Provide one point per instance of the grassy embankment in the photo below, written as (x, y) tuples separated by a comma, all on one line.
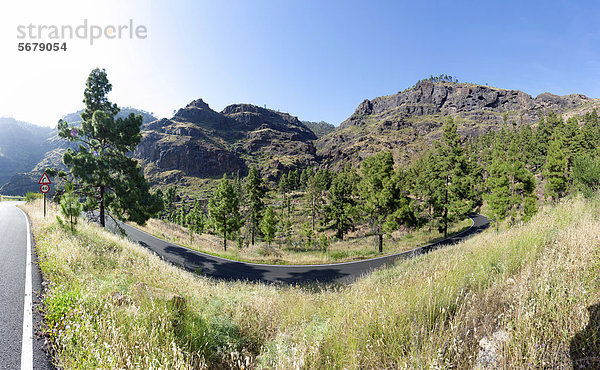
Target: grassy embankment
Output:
[(112, 304)]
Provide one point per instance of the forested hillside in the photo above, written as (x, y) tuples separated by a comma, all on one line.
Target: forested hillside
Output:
[(506, 174)]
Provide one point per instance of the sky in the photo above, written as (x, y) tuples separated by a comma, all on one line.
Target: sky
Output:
[(316, 60)]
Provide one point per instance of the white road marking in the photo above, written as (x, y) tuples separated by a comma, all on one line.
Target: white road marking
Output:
[(27, 342)]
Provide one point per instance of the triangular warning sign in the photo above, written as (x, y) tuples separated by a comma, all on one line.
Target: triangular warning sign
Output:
[(45, 179)]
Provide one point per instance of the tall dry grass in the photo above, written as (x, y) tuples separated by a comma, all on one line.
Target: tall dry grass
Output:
[(112, 304)]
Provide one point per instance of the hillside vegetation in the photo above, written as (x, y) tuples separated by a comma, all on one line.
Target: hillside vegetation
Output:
[(525, 297)]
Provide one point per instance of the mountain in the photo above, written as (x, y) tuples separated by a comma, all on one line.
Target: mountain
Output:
[(75, 117), (319, 128), (198, 142), (22, 146), (34, 148), (406, 123)]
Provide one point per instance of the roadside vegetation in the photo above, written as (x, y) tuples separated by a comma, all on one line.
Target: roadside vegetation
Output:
[(528, 292)]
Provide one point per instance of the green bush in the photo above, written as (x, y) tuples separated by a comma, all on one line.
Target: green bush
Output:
[(586, 175), (31, 196)]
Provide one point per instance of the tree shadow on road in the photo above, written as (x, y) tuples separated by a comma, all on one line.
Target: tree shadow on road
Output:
[(585, 345)]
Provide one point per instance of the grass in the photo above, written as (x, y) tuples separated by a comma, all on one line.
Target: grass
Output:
[(357, 247), (110, 303)]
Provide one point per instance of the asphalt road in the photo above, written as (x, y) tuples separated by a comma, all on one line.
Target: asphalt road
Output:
[(222, 268), (13, 267)]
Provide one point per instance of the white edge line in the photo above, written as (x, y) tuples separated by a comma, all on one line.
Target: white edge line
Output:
[(27, 342), (315, 265)]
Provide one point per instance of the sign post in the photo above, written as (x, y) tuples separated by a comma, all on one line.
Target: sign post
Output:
[(44, 188)]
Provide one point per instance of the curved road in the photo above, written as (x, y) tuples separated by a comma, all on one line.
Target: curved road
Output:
[(223, 268)]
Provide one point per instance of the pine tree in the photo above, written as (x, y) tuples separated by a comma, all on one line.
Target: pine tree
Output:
[(522, 185), (181, 217), (107, 177), (543, 133), (170, 209), (268, 225), (70, 207), (554, 170), (572, 142), (382, 194), (426, 182), (474, 172), (452, 183), (224, 209), (255, 190), (341, 207), (305, 177), (498, 196), (591, 130), (285, 187), (586, 173), (527, 145)]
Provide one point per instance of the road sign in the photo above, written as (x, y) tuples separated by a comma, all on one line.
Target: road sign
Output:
[(44, 180), (44, 188)]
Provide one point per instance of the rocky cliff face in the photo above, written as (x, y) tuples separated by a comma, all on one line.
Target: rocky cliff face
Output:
[(407, 122), (464, 100), (199, 142)]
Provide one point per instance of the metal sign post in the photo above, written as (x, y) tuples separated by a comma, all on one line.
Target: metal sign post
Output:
[(44, 188)]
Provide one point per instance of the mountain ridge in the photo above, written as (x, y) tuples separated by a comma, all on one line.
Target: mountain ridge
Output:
[(198, 143), (408, 121)]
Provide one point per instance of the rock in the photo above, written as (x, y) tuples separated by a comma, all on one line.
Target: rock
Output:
[(451, 98), (142, 290), (119, 298), (490, 352), (200, 142)]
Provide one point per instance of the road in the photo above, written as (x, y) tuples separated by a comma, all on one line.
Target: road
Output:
[(18, 281), (222, 268)]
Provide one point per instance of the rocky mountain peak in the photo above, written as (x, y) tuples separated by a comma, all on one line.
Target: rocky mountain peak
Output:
[(199, 142), (198, 112), (407, 122), (451, 98), (198, 103)]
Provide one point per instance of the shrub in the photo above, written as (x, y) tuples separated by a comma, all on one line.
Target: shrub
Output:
[(31, 196)]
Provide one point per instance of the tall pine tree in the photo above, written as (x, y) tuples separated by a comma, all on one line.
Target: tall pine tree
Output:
[(268, 225), (106, 176), (382, 195), (224, 209), (555, 170), (341, 207), (498, 195), (452, 182)]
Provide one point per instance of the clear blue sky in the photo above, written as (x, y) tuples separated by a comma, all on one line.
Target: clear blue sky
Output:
[(314, 59)]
